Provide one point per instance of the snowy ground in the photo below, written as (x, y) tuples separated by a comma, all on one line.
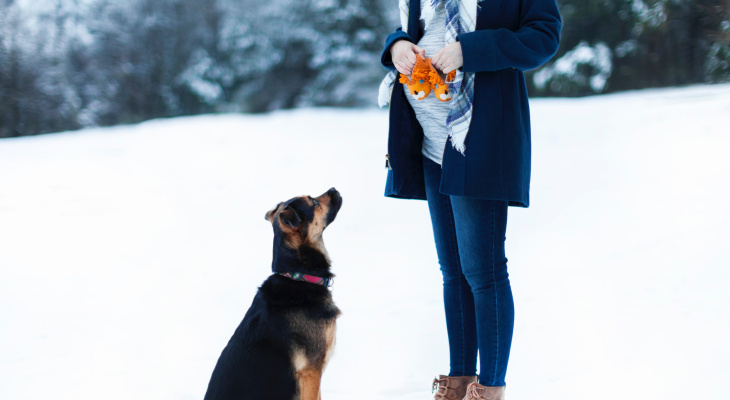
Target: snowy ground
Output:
[(129, 255)]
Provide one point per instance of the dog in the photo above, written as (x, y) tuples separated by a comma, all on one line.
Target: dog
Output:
[(281, 348)]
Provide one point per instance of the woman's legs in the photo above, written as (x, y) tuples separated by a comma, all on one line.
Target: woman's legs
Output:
[(470, 235), (480, 232), (458, 299)]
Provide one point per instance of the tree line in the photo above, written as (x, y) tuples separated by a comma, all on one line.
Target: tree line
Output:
[(69, 64), (613, 45)]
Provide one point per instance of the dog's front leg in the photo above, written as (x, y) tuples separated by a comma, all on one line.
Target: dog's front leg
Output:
[(309, 384)]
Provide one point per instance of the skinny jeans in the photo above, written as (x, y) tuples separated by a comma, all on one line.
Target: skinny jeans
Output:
[(470, 236)]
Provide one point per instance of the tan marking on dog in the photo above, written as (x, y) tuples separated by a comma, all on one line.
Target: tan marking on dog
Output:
[(299, 360), (317, 226), (309, 381), (293, 239)]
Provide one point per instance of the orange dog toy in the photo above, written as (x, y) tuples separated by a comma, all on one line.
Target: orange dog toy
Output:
[(425, 78)]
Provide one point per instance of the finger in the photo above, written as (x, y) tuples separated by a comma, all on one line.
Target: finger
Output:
[(411, 57), (409, 63), (435, 59), (406, 68), (420, 51), (448, 62), (403, 68), (407, 59)]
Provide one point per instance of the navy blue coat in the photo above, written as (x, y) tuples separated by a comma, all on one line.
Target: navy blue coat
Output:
[(511, 36)]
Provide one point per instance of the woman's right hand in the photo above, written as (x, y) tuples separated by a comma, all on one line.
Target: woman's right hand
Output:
[(403, 54)]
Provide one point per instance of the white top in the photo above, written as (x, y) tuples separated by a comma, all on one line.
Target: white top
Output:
[(430, 112)]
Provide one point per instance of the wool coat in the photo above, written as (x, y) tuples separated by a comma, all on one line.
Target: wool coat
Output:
[(511, 36)]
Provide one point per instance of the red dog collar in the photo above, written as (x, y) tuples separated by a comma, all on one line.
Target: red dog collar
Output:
[(297, 276)]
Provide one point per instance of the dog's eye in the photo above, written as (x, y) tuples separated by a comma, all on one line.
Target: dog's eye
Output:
[(316, 203)]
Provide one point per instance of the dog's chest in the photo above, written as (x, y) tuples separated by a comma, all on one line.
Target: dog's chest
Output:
[(313, 340)]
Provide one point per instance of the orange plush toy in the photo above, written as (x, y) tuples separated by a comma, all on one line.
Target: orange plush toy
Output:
[(440, 88), (425, 78), (419, 85)]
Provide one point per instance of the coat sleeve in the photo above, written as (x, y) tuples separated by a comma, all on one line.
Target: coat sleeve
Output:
[(530, 46), (385, 58)]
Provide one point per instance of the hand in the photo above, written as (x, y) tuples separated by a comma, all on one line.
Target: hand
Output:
[(449, 58), (403, 54)]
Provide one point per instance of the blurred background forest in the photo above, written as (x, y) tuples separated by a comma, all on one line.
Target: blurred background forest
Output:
[(70, 64)]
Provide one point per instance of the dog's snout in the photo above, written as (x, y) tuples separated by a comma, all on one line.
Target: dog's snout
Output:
[(334, 194), (334, 204)]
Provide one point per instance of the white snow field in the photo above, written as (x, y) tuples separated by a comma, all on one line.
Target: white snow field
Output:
[(129, 255)]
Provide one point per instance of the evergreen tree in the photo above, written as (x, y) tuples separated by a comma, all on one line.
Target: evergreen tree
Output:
[(67, 64), (633, 44)]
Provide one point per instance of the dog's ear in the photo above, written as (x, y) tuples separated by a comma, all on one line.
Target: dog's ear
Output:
[(270, 215), (290, 217)]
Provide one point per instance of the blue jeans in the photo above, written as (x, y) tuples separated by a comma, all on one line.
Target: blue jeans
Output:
[(470, 235)]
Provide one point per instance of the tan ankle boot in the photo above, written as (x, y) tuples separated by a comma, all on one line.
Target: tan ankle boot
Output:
[(476, 391), (451, 387)]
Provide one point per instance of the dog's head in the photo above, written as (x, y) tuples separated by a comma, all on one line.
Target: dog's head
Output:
[(298, 225)]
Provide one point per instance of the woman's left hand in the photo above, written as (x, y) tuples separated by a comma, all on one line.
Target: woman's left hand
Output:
[(449, 58)]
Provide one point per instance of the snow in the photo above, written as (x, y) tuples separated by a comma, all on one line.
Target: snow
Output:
[(129, 255)]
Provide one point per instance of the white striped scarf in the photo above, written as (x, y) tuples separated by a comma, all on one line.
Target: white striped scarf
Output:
[(461, 17)]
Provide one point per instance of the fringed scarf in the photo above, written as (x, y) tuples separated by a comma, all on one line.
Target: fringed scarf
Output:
[(461, 17)]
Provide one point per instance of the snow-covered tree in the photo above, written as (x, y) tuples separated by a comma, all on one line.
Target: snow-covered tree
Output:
[(67, 64), (633, 44)]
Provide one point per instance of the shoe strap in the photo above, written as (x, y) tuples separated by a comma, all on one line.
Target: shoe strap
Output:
[(437, 385), (473, 392)]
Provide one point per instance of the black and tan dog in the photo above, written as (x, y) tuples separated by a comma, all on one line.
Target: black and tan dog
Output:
[(282, 346)]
